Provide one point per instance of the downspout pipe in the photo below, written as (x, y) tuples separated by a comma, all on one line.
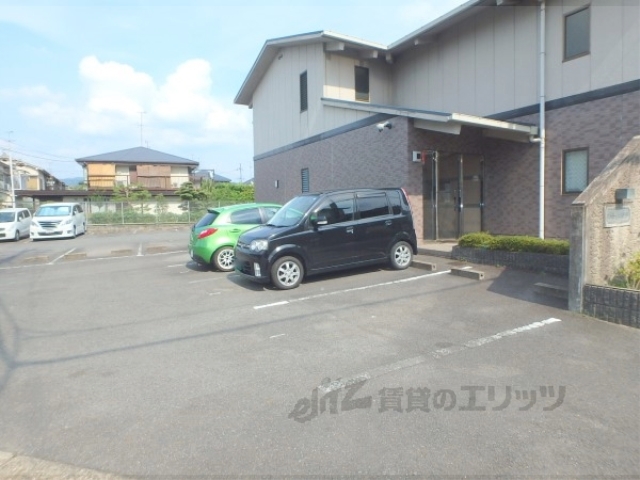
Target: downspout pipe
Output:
[(542, 132)]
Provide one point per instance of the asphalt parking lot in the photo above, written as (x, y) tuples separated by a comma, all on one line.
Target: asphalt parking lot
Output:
[(119, 355)]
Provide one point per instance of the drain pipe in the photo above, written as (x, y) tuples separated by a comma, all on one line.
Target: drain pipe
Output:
[(542, 133)]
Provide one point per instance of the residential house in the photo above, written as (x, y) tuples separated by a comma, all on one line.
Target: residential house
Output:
[(153, 170), (26, 176), (493, 117), (201, 175)]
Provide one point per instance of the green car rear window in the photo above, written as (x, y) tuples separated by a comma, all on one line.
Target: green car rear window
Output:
[(207, 220)]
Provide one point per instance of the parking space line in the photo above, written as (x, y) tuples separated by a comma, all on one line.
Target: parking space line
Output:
[(140, 250), (349, 290), (61, 256), (437, 354)]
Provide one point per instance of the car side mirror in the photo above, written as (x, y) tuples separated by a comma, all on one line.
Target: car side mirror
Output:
[(318, 219)]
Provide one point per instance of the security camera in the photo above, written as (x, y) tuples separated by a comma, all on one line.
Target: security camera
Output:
[(382, 126)]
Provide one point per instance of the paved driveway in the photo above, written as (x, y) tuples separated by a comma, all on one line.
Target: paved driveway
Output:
[(144, 364)]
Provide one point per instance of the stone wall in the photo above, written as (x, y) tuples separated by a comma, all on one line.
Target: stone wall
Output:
[(600, 244)]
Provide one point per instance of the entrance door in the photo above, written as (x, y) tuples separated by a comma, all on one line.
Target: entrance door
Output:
[(458, 195)]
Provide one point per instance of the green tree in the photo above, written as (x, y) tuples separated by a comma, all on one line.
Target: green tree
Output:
[(98, 200)]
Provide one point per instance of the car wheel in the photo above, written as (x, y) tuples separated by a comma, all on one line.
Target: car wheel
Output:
[(287, 273), (223, 259), (17, 236), (401, 255)]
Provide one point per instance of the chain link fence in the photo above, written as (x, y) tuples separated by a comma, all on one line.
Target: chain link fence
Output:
[(149, 212)]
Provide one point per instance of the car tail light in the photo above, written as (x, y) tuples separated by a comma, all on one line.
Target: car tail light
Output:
[(207, 232)]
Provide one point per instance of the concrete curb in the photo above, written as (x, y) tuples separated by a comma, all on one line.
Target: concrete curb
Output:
[(462, 272)]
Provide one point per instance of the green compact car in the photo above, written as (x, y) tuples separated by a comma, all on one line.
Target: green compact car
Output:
[(214, 237)]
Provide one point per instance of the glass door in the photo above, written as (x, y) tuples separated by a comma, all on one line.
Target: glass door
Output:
[(458, 194)]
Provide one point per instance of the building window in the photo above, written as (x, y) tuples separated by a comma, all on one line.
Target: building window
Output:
[(304, 102), (362, 84), (305, 179), (576, 34), (575, 170)]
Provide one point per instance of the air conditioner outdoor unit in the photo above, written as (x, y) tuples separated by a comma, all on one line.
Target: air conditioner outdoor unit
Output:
[(417, 156)]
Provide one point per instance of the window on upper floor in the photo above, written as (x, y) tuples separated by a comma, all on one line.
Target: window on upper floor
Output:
[(577, 34), (362, 84), (304, 102), (575, 170)]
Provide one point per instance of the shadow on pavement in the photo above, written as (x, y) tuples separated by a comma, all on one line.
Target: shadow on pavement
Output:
[(520, 284)]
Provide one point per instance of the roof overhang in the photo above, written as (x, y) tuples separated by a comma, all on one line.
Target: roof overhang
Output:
[(445, 122)]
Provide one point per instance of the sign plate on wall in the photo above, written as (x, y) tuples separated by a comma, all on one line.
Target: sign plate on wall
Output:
[(616, 216)]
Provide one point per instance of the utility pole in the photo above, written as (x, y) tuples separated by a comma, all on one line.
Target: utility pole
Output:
[(13, 190), (240, 173), (141, 125)]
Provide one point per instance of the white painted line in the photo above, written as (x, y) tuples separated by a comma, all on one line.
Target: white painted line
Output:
[(413, 361), (349, 290), (140, 250), (279, 335), (61, 256), (176, 265), (258, 307), (95, 259)]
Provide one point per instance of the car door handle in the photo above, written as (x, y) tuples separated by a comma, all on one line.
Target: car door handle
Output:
[(388, 223), (349, 229)]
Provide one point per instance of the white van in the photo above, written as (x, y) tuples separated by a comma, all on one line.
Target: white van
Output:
[(58, 220), (14, 223)]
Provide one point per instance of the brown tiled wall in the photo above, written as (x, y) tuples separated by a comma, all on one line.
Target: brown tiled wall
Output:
[(368, 158), (361, 158), (604, 126)]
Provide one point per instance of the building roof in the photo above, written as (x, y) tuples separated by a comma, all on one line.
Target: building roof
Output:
[(350, 45), (138, 155), (210, 174), (272, 47)]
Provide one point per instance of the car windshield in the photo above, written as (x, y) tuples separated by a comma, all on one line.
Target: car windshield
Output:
[(53, 211), (293, 211), (7, 217)]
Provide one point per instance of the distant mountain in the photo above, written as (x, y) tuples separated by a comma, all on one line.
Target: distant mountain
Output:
[(73, 181)]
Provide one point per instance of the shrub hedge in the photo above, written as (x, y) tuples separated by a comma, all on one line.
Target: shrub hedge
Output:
[(628, 276), (514, 243)]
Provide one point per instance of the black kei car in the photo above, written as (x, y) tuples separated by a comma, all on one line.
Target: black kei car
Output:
[(321, 232)]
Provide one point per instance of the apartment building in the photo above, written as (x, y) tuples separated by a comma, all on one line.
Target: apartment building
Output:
[(494, 117)]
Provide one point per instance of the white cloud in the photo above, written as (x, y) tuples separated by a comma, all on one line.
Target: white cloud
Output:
[(186, 94), (115, 87)]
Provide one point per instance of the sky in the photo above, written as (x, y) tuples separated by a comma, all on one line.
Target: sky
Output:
[(82, 78)]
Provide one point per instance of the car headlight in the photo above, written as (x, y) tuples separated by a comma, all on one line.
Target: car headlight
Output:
[(259, 245)]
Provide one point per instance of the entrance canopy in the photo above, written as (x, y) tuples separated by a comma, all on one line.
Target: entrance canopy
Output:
[(446, 122)]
